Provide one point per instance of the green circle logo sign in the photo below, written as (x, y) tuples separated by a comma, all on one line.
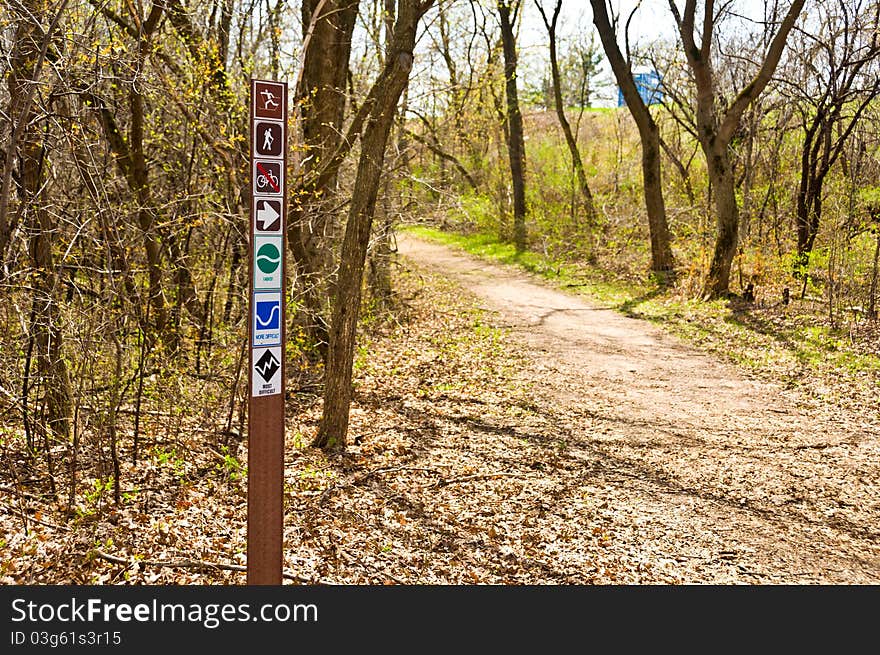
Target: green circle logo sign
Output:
[(268, 258)]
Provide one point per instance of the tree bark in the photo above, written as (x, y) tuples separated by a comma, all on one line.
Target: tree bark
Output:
[(34, 50), (716, 125), (721, 178), (140, 185), (28, 53), (574, 151), (662, 262), (516, 148), (382, 99), (320, 97)]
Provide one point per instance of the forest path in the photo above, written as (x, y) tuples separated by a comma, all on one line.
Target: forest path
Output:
[(687, 459)]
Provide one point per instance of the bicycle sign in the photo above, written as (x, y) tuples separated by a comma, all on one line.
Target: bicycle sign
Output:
[(268, 178)]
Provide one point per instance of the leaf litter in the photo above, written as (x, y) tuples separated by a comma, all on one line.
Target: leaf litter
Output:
[(481, 453)]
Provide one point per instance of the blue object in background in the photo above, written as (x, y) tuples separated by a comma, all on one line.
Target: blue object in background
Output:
[(648, 85)]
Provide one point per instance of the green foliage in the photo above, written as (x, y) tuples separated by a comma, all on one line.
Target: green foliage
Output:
[(99, 488), (870, 200), (230, 467), (476, 209), (299, 440), (361, 356), (171, 458), (565, 274), (93, 497)]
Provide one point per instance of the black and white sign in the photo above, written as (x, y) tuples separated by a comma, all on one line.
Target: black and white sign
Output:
[(266, 376)]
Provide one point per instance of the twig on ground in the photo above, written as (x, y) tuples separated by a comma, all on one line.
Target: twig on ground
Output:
[(366, 476), (23, 515), (190, 564), (392, 469), (26, 494), (479, 476)]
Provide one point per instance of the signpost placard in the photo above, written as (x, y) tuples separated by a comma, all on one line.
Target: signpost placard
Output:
[(266, 333), (267, 214)]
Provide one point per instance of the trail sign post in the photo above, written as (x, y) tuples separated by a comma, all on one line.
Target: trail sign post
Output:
[(266, 333)]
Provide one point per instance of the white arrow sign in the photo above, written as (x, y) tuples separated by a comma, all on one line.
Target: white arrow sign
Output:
[(266, 214)]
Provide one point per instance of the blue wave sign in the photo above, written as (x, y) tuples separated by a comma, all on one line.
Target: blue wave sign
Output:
[(267, 319)]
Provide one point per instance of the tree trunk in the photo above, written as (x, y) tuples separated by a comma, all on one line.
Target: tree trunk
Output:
[(576, 161), (383, 98), (47, 326), (717, 125), (139, 181), (320, 94), (662, 262), (872, 298), (46, 329), (379, 256), (823, 143), (516, 149), (30, 45), (808, 214), (717, 282)]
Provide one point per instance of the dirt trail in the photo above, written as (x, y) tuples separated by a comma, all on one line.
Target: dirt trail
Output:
[(686, 459)]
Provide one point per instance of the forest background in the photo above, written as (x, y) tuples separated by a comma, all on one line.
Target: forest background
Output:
[(740, 208)]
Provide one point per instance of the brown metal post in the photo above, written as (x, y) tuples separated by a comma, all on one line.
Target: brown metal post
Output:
[(266, 332)]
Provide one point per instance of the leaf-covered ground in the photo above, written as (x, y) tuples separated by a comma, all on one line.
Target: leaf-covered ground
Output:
[(505, 439)]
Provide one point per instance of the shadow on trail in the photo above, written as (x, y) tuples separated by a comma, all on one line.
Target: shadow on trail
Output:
[(609, 462), (628, 307), (748, 320), (593, 460), (566, 310), (605, 458)]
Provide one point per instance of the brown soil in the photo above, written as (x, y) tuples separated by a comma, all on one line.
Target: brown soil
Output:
[(684, 468)]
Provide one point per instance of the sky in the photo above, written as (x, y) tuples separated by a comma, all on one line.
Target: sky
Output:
[(652, 21)]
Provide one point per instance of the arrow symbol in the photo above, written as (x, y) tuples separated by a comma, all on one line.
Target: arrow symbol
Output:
[(267, 213), (267, 216)]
